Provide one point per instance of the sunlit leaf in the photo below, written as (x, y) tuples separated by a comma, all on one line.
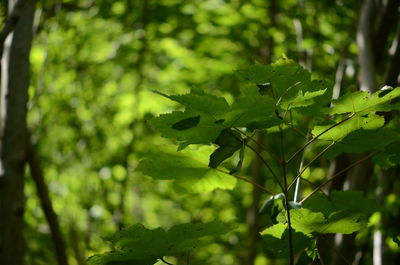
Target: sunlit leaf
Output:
[(276, 230), (362, 102), (201, 103), (305, 221), (337, 133), (205, 131), (188, 168)]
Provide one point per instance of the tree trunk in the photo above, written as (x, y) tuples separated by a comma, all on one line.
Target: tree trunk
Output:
[(14, 97), (47, 206)]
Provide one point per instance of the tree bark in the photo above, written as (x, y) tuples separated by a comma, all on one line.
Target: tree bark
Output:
[(14, 97), (11, 22), (43, 194)]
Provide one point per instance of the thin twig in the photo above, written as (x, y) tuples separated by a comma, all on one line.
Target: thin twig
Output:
[(247, 180), (296, 189), (258, 143), (319, 135), (285, 191), (309, 164), (294, 128), (287, 90), (337, 175), (309, 182), (267, 165)]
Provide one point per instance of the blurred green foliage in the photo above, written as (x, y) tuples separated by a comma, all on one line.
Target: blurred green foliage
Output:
[(94, 64)]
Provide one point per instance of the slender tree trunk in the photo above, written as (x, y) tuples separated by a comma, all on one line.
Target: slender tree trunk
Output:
[(14, 97), (43, 194)]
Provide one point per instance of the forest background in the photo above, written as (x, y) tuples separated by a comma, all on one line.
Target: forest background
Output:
[(76, 83)]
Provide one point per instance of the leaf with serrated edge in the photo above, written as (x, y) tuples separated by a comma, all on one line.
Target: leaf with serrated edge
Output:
[(360, 141), (276, 230), (255, 112), (142, 246), (201, 103), (305, 221), (337, 133), (188, 168), (205, 132), (360, 102)]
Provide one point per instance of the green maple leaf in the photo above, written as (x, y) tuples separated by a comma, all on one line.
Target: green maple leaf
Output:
[(362, 102), (337, 133), (139, 245), (188, 168)]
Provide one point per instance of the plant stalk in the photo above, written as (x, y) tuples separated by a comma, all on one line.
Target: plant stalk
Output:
[(286, 192), (319, 135)]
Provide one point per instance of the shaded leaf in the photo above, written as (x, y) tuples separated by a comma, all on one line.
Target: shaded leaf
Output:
[(319, 203), (139, 245), (360, 141), (186, 123), (240, 162), (253, 112), (119, 258), (229, 142), (285, 77), (271, 209), (351, 200), (389, 157), (279, 247)]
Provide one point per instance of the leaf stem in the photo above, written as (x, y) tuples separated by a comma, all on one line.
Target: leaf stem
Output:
[(286, 192), (257, 143), (296, 189), (247, 180), (309, 164), (287, 90), (319, 135), (268, 166), (336, 175)]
